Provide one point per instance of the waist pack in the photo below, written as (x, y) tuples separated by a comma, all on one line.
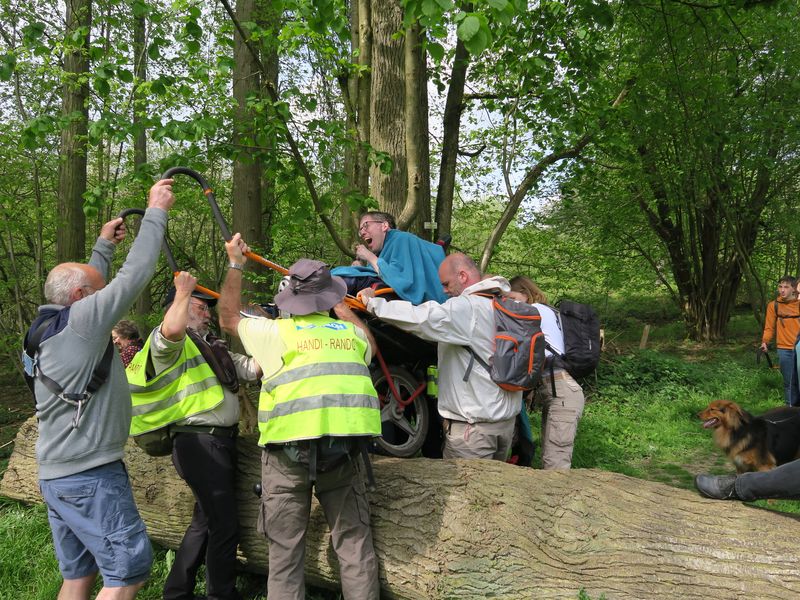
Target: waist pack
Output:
[(518, 357), (155, 443)]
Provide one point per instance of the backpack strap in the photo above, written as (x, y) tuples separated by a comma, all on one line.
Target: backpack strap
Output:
[(549, 364), (42, 328), (473, 358)]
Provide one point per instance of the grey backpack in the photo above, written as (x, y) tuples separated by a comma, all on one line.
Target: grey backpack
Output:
[(518, 357)]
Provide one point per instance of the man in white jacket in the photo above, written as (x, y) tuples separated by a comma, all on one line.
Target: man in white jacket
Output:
[(478, 415)]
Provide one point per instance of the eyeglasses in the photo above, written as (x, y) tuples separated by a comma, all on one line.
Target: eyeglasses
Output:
[(202, 307), (363, 226)]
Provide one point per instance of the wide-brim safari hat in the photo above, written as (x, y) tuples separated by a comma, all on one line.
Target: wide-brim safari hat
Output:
[(311, 289)]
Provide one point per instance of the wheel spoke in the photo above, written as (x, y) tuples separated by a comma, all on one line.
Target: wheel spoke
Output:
[(387, 410), (404, 424)]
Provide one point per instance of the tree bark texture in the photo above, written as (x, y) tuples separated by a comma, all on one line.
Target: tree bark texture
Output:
[(387, 129), (247, 164), (71, 234), (480, 529)]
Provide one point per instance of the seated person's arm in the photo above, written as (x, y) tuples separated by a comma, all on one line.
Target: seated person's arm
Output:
[(365, 254)]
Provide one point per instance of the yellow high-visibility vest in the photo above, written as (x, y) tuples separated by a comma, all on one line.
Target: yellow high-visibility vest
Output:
[(324, 387), (187, 388)]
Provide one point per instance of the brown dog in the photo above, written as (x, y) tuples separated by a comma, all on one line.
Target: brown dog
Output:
[(754, 443)]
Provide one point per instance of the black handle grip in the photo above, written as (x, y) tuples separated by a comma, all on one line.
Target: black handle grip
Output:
[(212, 200), (130, 211)]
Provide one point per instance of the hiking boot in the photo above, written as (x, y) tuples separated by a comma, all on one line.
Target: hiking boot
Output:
[(718, 487)]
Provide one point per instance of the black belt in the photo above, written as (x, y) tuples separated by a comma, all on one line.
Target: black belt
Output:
[(217, 430)]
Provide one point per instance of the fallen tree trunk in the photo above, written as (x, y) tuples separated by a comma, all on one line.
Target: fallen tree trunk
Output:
[(478, 529)]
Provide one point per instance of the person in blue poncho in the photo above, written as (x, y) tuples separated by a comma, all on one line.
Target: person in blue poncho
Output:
[(403, 261)]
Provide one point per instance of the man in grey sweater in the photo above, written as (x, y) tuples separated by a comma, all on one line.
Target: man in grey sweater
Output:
[(93, 518)]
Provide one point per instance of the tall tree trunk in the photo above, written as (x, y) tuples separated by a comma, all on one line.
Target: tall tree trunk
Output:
[(357, 90), (144, 303), (71, 233), (387, 130), (417, 211), (247, 166), (451, 129), (473, 529)]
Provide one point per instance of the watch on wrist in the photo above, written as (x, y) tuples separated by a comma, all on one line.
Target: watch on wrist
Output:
[(237, 266)]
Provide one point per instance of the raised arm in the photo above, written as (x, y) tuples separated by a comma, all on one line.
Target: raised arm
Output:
[(173, 327), (230, 300)]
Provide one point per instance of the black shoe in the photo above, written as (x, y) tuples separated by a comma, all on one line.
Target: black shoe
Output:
[(718, 487)]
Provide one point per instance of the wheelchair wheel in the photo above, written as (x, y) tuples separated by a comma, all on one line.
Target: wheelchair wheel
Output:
[(403, 429)]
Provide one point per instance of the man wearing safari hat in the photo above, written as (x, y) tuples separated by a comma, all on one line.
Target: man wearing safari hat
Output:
[(317, 403), (186, 378)]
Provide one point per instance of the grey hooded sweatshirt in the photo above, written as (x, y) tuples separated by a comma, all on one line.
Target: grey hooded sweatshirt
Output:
[(70, 357)]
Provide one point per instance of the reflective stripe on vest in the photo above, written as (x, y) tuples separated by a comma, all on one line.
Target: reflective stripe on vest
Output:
[(187, 388), (324, 387)]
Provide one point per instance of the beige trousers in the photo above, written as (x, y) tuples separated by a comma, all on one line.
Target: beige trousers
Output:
[(478, 440), (285, 506), (560, 416)]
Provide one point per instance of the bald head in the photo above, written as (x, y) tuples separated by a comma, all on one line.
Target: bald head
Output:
[(457, 272), (69, 282)]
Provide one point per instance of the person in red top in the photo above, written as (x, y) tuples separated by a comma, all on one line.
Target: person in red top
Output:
[(783, 323), (126, 338)]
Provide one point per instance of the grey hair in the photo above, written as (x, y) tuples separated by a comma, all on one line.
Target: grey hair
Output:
[(61, 281)]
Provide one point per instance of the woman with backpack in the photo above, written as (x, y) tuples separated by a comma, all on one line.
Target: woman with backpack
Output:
[(559, 394)]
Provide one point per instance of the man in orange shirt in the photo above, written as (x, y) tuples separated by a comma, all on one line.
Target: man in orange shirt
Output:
[(783, 322)]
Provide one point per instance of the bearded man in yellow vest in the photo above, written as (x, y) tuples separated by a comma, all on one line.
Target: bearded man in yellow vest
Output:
[(186, 378), (317, 404)]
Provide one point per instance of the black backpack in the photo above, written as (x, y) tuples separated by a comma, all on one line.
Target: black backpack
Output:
[(518, 357), (581, 330)]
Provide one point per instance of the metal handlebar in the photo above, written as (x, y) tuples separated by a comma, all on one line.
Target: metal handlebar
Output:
[(223, 226), (173, 265)]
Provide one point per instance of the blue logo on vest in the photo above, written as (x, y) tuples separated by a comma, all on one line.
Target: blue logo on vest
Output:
[(334, 326)]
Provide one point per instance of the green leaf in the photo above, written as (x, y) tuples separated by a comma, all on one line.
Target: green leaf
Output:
[(140, 9), (193, 30), (478, 43), (436, 51), (430, 8), (7, 64), (468, 28), (153, 51), (445, 4), (101, 86), (32, 32), (124, 75), (193, 46), (498, 4)]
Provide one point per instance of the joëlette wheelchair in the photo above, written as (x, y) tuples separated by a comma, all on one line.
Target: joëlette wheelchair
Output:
[(401, 365)]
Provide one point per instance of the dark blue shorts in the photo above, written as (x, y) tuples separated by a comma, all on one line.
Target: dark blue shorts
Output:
[(96, 526)]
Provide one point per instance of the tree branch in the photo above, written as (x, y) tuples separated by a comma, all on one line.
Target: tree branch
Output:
[(298, 157)]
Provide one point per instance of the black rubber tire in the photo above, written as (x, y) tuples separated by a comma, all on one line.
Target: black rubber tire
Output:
[(402, 436)]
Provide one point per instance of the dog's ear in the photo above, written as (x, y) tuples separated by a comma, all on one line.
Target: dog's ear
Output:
[(736, 413)]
